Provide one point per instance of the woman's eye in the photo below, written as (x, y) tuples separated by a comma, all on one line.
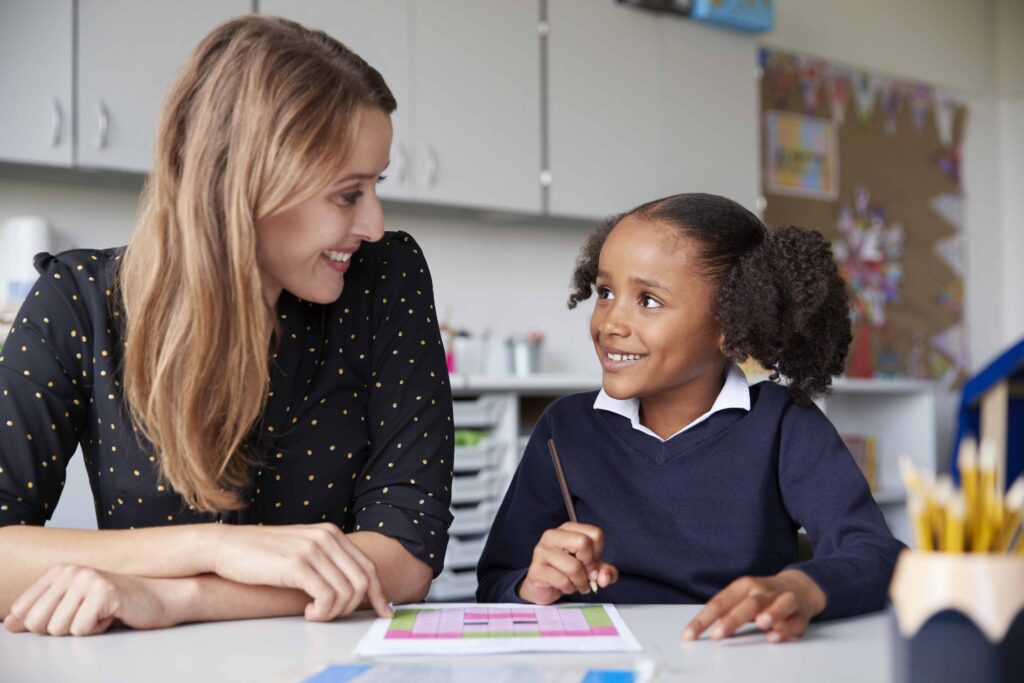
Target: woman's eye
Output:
[(350, 198), (648, 301), (604, 293), (381, 179)]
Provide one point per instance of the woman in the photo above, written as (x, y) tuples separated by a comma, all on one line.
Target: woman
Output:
[(257, 382)]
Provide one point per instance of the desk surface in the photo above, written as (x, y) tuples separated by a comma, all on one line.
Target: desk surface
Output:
[(288, 648)]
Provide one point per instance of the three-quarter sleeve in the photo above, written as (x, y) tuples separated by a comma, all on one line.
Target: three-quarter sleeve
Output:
[(43, 394), (854, 551), (404, 488)]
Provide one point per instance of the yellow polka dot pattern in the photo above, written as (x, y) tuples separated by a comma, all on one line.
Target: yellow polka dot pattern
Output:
[(356, 431)]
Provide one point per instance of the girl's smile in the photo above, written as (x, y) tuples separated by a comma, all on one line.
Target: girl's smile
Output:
[(653, 326)]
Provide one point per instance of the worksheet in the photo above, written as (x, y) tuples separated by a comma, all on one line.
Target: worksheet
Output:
[(470, 628)]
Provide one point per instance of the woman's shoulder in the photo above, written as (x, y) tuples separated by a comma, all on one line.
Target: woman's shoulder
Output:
[(86, 268), (395, 250)]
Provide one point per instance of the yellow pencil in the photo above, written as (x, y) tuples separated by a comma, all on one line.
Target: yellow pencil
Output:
[(986, 506), (967, 463), (1012, 519), (922, 529), (955, 523)]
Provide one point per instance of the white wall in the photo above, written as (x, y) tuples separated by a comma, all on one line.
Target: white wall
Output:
[(1010, 110)]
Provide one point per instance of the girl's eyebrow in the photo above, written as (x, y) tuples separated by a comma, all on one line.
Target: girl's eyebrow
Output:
[(638, 281)]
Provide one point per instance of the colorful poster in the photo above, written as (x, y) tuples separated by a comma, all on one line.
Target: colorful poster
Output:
[(802, 159)]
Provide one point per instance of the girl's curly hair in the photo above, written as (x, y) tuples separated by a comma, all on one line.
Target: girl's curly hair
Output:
[(781, 299)]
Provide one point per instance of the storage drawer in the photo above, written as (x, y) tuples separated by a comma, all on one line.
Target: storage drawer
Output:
[(474, 488), (452, 586), (481, 412), (464, 554), (474, 520), (485, 454)]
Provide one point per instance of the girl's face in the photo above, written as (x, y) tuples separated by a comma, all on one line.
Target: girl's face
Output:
[(307, 249), (653, 325)]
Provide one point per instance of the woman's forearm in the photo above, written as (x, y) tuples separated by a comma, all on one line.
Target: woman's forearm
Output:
[(405, 578), (160, 552)]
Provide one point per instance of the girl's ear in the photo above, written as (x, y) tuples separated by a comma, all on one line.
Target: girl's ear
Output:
[(721, 344)]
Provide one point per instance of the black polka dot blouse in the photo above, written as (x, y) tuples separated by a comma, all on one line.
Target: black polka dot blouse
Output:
[(357, 429)]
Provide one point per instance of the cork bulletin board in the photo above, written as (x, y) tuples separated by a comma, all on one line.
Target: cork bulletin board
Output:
[(873, 163)]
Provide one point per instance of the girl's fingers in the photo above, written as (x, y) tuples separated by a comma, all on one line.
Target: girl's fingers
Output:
[(716, 607), (790, 628), (741, 614), (547, 575), (571, 542), (784, 607), (607, 574), (595, 534), (570, 567)]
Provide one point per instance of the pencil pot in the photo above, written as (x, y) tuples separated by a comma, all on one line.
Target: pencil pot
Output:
[(958, 617)]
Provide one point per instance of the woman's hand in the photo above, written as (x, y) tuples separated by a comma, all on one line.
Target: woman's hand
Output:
[(565, 561), (79, 601), (316, 558), (782, 605)]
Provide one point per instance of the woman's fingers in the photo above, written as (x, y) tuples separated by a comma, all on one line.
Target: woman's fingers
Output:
[(14, 624), (93, 616), (374, 590), (303, 576), (342, 587), (38, 615), (60, 621), (31, 595)]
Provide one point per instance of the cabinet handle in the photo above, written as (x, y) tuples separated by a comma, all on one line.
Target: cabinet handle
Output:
[(431, 166), (399, 163), (56, 123), (104, 125)]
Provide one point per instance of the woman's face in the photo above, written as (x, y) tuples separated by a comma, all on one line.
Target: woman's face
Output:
[(653, 325), (307, 249)]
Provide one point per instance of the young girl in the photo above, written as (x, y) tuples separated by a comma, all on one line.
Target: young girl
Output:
[(690, 487), (257, 383)]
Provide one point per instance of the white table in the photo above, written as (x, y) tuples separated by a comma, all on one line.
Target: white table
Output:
[(288, 648)]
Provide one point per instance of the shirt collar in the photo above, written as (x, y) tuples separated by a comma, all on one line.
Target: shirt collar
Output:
[(735, 393)]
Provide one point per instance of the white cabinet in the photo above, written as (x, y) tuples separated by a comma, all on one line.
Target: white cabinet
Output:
[(707, 112), (603, 95), (128, 54), (477, 103), (379, 31), (466, 74), (36, 81)]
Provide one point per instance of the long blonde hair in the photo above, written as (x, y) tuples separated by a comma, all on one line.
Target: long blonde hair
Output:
[(262, 117)]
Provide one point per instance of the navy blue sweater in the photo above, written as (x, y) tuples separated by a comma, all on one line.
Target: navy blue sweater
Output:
[(684, 518)]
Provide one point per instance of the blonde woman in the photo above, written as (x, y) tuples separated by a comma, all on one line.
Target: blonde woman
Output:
[(256, 382)]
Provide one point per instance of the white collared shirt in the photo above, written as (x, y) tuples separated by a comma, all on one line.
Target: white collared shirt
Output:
[(735, 393)]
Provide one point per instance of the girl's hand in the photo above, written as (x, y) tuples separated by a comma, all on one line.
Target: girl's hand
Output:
[(565, 561), (79, 601), (315, 558), (782, 605)]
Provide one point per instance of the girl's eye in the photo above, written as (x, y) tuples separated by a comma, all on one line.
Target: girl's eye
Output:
[(648, 301), (350, 198), (604, 293)]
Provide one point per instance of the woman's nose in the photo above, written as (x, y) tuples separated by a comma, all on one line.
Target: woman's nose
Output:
[(369, 221)]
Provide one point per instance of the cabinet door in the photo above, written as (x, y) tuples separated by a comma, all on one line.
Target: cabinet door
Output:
[(707, 112), (35, 81), (129, 52), (476, 76), (603, 63), (379, 32)]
